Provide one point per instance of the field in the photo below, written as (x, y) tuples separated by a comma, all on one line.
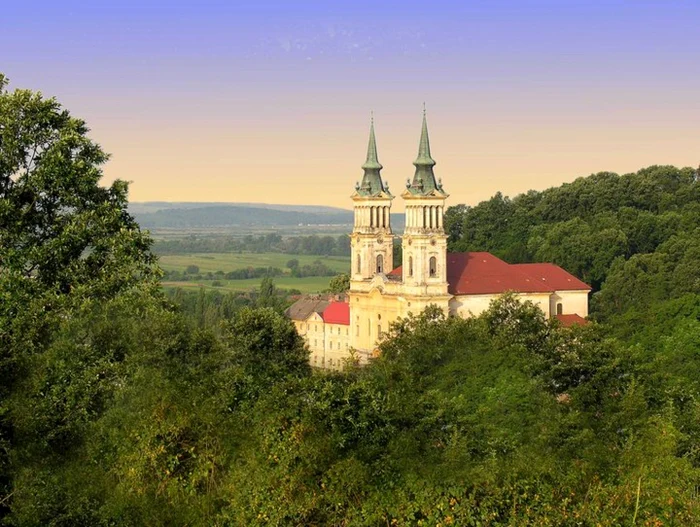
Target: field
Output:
[(312, 284), (212, 262)]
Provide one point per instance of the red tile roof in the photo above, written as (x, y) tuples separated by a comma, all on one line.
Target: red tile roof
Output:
[(554, 276), (337, 313), (571, 320), (395, 272), (481, 273)]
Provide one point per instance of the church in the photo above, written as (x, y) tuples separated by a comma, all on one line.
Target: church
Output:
[(461, 284)]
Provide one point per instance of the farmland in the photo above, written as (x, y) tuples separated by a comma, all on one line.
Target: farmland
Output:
[(226, 262), (311, 284), (212, 262)]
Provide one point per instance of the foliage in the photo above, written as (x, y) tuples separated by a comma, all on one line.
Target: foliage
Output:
[(65, 242), (340, 283), (586, 225)]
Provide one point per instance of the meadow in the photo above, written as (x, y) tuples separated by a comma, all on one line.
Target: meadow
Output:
[(310, 284), (213, 262)]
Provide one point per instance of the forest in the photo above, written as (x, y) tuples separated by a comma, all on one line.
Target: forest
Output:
[(121, 405)]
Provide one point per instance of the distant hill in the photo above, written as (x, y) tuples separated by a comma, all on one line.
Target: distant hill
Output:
[(186, 215), (155, 206)]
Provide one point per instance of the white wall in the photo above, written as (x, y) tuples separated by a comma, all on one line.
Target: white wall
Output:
[(474, 305), (573, 302)]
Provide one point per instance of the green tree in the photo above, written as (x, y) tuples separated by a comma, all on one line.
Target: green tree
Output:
[(66, 243), (266, 344), (268, 295), (340, 283)]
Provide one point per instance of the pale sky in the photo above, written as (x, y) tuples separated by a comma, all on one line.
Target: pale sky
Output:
[(270, 101)]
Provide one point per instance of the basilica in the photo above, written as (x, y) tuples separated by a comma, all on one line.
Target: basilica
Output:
[(461, 284)]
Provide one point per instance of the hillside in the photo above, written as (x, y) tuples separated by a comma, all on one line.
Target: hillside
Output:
[(218, 215), (143, 207), (161, 215)]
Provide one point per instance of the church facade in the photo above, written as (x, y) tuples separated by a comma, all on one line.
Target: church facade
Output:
[(461, 284)]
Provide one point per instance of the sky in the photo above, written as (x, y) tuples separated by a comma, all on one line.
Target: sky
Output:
[(270, 102)]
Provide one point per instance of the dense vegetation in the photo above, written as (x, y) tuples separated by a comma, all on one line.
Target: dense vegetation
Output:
[(118, 408), (591, 226)]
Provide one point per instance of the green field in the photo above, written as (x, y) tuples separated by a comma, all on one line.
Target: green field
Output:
[(313, 284), (212, 262)]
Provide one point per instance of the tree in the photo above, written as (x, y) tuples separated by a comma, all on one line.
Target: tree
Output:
[(340, 283), (267, 295), (267, 345), (65, 243)]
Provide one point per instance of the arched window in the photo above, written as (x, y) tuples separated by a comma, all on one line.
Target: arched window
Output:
[(380, 263), (410, 266), (359, 264), (433, 266), (560, 309)]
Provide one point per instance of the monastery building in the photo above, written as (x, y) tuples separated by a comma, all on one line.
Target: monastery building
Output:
[(462, 284)]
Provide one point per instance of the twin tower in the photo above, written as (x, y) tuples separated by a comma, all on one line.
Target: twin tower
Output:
[(423, 276)]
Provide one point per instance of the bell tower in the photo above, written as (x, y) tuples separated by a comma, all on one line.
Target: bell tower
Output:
[(424, 243), (371, 238)]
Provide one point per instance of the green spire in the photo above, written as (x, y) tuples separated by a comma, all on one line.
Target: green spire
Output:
[(424, 179), (424, 158), (372, 183), (372, 163)]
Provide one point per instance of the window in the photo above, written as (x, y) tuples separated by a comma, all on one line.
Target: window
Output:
[(338, 331), (560, 309), (433, 266), (315, 343), (380, 264), (357, 327), (359, 264), (410, 266), (369, 327), (379, 331)]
